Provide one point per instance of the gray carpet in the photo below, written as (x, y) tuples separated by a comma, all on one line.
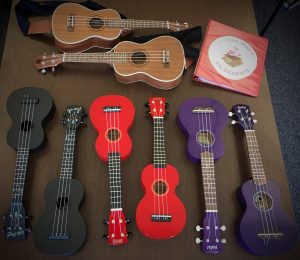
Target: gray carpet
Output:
[(283, 71)]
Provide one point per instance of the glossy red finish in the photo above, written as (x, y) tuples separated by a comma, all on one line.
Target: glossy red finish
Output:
[(157, 106), (120, 121), (166, 204), (117, 233)]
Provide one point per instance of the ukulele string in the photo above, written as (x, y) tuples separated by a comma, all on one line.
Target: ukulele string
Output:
[(115, 175), (265, 224), (70, 161), (264, 191), (213, 184)]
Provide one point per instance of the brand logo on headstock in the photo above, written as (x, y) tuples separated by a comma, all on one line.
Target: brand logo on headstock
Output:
[(215, 247)]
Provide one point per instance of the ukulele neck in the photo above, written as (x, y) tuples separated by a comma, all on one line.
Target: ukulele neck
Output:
[(159, 152), (256, 165), (66, 170), (102, 57), (209, 183), (114, 170), (137, 24), (20, 174)]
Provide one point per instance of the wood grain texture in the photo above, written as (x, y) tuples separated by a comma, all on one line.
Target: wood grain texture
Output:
[(73, 84)]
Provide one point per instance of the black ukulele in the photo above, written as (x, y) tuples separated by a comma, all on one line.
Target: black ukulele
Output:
[(61, 230), (29, 108)]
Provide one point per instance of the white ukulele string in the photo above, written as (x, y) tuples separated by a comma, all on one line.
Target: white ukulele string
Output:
[(265, 226), (115, 175), (156, 169), (161, 141), (165, 168), (70, 161), (213, 179)]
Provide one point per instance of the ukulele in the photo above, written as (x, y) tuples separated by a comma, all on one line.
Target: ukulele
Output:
[(112, 117), (30, 109), (61, 229), (159, 62), (265, 229), (202, 121), (160, 214), (76, 28)]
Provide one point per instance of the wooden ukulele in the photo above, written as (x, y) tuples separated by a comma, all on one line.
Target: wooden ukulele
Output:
[(265, 229), (160, 214), (61, 230), (30, 109), (112, 116), (77, 28), (159, 62), (202, 120)]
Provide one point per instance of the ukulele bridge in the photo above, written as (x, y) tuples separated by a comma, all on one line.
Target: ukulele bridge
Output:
[(71, 22), (166, 57), (112, 109), (161, 218), (270, 235), (59, 236), (199, 110)]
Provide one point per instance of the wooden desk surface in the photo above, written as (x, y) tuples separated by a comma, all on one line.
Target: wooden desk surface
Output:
[(81, 84)]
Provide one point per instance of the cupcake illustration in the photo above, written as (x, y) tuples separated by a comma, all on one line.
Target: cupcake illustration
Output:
[(233, 57)]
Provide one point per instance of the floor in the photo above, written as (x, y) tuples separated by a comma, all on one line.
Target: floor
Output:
[(283, 72)]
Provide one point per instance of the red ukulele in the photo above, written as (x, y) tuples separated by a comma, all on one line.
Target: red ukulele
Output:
[(112, 116), (160, 214)]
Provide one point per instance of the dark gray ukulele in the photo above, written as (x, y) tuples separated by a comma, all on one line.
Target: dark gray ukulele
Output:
[(61, 230), (30, 108)]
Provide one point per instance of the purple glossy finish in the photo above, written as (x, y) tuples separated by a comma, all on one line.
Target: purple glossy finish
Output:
[(255, 221), (187, 121), (212, 236)]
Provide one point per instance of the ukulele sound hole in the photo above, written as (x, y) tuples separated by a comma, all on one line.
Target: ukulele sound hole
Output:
[(205, 138), (62, 203), (26, 126), (160, 187), (138, 58), (262, 201), (96, 23), (113, 135)]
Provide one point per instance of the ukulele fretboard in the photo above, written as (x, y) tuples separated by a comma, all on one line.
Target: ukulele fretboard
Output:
[(114, 170), (159, 152), (102, 57), (209, 183)]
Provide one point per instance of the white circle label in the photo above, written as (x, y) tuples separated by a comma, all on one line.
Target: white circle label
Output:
[(232, 57)]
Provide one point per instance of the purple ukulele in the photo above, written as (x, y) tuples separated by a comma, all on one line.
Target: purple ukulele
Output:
[(265, 229), (202, 121)]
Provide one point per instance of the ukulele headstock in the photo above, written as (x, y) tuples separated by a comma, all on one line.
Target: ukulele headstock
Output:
[(157, 107), (47, 61), (211, 234), (74, 116), (176, 26), (16, 222), (242, 115), (117, 232)]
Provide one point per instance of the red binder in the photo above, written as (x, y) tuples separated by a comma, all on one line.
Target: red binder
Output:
[(231, 59)]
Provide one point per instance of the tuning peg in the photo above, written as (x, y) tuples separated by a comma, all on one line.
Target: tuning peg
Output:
[(28, 230), (147, 104), (63, 121), (43, 71), (252, 113), (254, 121), (129, 234), (166, 105), (83, 123), (28, 217), (53, 69), (198, 228), (105, 222), (105, 236), (223, 241), (198, 240), (223, 227), (233, 122), (230, 114), (128, 221)]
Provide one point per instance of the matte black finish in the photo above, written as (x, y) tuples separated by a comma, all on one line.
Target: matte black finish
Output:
[(76, 228), (43, 112)]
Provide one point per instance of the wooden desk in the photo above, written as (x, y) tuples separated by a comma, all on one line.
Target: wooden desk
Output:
[(81, 84)]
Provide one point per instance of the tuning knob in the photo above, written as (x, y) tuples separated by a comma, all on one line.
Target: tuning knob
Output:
[(233, 122), (105, 236), (128, 221), (105, 222), (198, 240), (254, 121), (230, 114), (129, 234), (53, 69), (147, 104), (166, 105), (252, 113), (223, 241), (43, 71), (28, 230), (198, 228), (223, 227)]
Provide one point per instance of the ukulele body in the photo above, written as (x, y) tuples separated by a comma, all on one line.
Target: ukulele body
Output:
[(86, 30), (263, 216), (154, 203), (146, 62), (74, 228)]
